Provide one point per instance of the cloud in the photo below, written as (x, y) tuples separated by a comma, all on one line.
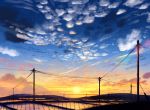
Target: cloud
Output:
[(144, 6), (114, 5), (60, 12), (130, 41), (79, 2), (148, 18), (101, 14), (146, 75), (72, 32), (147, 43), (126, 82), (89, 19), (10, 52), (8, 81), (120, 11), (38, 60), (70, 24), (62, 0), (13, 38), (104, 2), (132, 3), (68, 17), (104, 54), (103, 46)]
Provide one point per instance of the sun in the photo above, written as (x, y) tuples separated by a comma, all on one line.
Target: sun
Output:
[(76, 90)]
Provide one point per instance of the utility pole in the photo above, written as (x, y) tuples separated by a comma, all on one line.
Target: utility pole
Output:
[(33, 71), (138, 61), (99, 80), (131, 88), (13, 95)]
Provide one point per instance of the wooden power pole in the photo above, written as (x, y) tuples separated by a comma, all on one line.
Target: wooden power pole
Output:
[(138, 61), (33, 72), (131, 88), (99, 80), (13, 90)]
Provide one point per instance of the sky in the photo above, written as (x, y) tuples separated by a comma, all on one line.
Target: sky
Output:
[(83, 38)]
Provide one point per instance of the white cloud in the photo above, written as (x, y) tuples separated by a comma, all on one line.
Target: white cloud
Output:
[(60, 12), (70, 24), (38, 60), (71, 10), (39, 6), (104, 54), (132, 3), (148, 18), (88, 19), (22, 36), (44, 2), (114, 5), (130, 41), (92, 7), (120, 11), (144, 6), (104, 2), (68, 17), (72, 32), (60, 29), (103, 46), (62, 0), (101, 14), (79, 2), (48, 16), (79, 22), (7, 51)]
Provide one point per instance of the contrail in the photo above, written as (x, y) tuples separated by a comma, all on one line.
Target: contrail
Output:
[(72, 70)]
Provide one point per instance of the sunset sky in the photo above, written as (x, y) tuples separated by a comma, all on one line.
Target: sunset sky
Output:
[(82, 38)]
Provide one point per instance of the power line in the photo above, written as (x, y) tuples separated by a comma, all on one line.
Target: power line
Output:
[(13, 69), (147, 98), (118, 63), (113, 82), (67, 76), (23, 80), (142, 88)]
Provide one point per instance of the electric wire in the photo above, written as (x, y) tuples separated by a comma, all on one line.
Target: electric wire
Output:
[(118, 63), (22, 81)]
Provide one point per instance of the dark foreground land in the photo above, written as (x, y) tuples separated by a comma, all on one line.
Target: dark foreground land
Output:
[(127, 106)]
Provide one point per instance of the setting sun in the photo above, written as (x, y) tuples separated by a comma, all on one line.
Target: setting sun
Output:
[(76, 90)]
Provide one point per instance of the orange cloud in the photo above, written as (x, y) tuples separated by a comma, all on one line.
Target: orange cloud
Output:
[(146, 75), (9, 81)]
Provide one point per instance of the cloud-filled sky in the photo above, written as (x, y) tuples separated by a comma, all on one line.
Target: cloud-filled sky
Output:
[(74, 37)]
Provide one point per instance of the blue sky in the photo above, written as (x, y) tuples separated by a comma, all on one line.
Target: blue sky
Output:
[(65, 30), (74, 33)]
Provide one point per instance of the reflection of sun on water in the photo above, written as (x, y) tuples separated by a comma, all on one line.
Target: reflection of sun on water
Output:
[(76, 90)]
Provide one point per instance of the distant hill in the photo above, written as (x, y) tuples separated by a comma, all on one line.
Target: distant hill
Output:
[(29, 96), (107, 97), (125, 106), (117, 96)]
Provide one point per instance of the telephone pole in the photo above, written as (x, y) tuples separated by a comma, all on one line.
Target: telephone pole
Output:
[(33, 72), (138, 62), (13, 91), (99, 80), (131, 88)]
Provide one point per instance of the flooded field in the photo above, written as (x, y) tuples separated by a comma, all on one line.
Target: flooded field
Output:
[(76, 106), (55, 105)]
